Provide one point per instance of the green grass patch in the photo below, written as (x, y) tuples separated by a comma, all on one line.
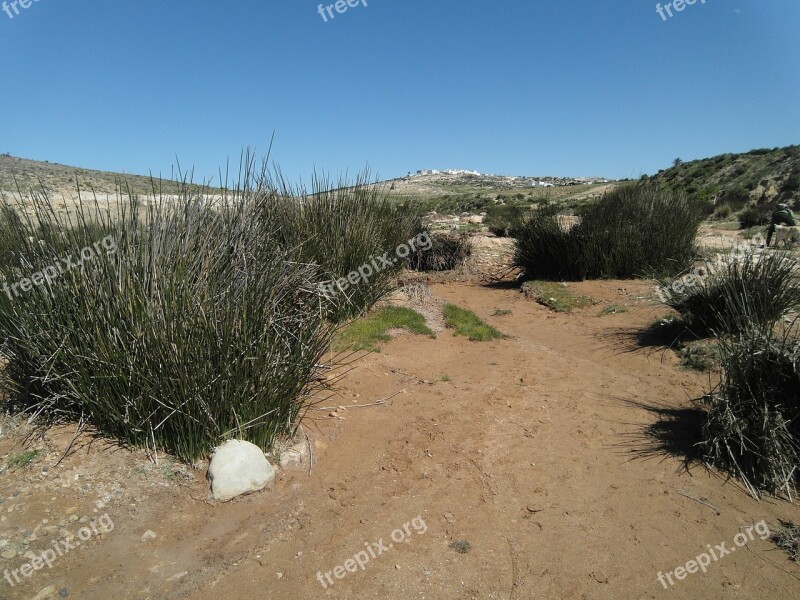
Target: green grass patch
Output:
[(22, 460), (612, 309), (555, 296), (500, 312), (466, 322), (367, 332)]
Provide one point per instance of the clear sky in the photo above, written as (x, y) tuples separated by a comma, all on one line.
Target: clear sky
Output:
[(519, 87)]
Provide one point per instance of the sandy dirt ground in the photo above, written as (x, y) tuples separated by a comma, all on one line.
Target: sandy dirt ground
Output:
[(553, 464)]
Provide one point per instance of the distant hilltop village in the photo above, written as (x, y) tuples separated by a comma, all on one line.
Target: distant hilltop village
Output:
[(514, 181), (446, 172)]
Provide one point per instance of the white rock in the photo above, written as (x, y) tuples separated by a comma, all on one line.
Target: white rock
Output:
[(238, 467), (148, 535)]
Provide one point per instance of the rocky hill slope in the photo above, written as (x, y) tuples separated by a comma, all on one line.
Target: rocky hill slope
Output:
[(26, 175), (764, 176)]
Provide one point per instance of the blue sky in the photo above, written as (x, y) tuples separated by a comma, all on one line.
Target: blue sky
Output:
[(521, 87)]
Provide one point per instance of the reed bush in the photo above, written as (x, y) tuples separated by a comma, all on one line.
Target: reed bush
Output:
[(188, 320), (738, 292), (503, 220), (339, 227), (752, 429), (633, 231), (447, 251)]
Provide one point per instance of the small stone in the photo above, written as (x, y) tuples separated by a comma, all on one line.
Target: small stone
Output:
[(29, 555), (279, 575), (148, 535), (460, 546), (397, 567), (600, 577), (8, 554), (63, 592), (295, 455), (45, 593), (73, 518)]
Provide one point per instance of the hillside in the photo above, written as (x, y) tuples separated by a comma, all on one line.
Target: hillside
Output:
[(35, 175), (764, 176), (448, 192), (464, 191)]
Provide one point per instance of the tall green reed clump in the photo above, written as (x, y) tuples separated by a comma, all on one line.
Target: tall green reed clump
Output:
[(751, 429), (736, 292), (340, 227), (447, 251), (632, 231), (189, 321)]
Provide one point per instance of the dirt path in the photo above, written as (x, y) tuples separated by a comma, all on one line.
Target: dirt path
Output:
[(527, 460)]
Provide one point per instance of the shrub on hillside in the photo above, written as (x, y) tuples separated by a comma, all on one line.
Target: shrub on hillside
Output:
[(754, 216), (503, 221), (792, 183), (631, 232), (722, 212)]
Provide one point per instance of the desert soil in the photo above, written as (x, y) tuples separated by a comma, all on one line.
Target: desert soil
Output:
[(553, 464)]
